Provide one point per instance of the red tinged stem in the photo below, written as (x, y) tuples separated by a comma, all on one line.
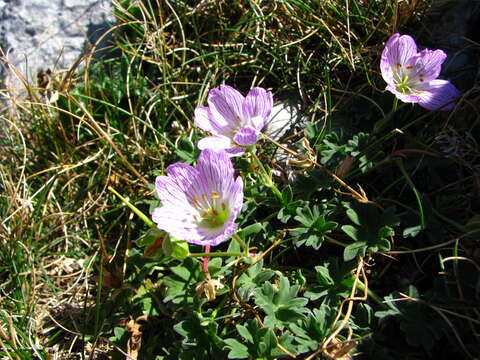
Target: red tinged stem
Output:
[(205, 262)]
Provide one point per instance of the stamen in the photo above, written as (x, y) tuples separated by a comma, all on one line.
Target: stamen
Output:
[(204, 214), (223, 206), (196, 205), (214, 212), (421, 77), (204, 197), (399, 65), (409, 67)]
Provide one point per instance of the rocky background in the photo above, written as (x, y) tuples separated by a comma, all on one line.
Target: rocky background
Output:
[(39, 35)]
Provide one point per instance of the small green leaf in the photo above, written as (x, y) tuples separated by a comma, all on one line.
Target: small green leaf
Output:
[(118, 332), (412, 231), (352, 215), (250, 229), (237, 349), (243, 331), (270, 341), (352, 250), (351, 231), (185, 149), (287, 195), (178, 249), (150, 237)]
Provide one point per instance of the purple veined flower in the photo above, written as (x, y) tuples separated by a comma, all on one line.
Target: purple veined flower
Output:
[(412, 76), (200, 204), (234, 120)]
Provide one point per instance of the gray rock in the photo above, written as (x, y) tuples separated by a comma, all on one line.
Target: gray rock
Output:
[(48, 34), (284, 117)]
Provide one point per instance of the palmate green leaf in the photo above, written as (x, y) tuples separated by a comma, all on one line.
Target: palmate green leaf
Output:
[(334, 282), (258, 343), (313, 229), (180, 286), (288, 210), (264, 297), (200, 335), (280, 305), (254, 277), (371, 230), (313, 329)]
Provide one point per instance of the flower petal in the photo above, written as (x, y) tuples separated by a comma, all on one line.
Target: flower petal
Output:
[(408, 98), (177, 222), (191, 195), (235, 151), (440, 95), (214, 142), (398, 50), (214, 237), (172, 189), (236, 197), (427, 65), (246, 136), (258, 106), (226, 107), (203, 118), (216, 169)]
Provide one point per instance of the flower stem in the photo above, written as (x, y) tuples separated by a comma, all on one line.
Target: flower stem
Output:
[(415, 191), (336, 242), (395, 104), (205, 262), (140, 214), (371, 294), (240, 242), (266, 176), (381, 124)]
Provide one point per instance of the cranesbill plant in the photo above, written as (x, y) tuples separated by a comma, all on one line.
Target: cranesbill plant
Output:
[(233, 120), (200, 204), (412, 76)]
